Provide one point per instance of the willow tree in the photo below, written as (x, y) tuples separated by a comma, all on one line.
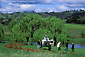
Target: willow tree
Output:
[(40, 34), (26, 27), (55, 25), (63, 36), (34, 26), (1, 33), (12, 23)]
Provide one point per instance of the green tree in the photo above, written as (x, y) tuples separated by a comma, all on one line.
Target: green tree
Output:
[(20, 31), (55, 25), (12, 23), (34, 26), (1, 33), (40, 34), (63, 36), (34, 23), (26, 27)]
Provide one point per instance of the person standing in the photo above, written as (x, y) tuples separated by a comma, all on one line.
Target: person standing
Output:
[(38, 44), (59, 45), (66, 46), (72, 47), (49, 47), (41, 45)]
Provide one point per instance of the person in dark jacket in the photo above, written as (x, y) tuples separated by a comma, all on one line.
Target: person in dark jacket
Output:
[(66, 46), (72, 47), (41, 45), (49, 47), (38, 44)]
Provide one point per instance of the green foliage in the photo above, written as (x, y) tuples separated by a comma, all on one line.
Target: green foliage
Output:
[(20, 33), (63, 36), (1, 33), (26, 27), (40, 34), (12, 23), (57, 27), (34, 26), (76, 18), (62, 15), (30, 41)]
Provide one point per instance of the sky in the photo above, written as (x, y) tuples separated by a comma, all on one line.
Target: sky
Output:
[(9, 6)]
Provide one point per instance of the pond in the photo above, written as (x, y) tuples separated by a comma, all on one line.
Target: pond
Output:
[(77, 45)]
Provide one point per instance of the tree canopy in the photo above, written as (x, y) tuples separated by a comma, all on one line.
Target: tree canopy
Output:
[(34, 26)]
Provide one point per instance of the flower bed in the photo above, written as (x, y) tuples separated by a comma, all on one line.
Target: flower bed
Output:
[(18, 46)]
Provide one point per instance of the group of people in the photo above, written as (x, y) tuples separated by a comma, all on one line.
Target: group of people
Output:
[(40, 45), (59, 46)]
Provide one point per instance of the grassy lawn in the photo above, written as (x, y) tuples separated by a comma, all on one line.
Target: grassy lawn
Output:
[(75, 30), (7, 52), (75, 26), (77, 40)]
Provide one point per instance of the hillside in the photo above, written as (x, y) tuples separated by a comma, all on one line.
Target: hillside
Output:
[(66, 15)]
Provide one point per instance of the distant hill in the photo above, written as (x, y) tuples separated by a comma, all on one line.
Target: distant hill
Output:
[(67, 15), (78, 18)]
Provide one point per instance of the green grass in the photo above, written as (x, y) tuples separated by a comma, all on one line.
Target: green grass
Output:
[(77, 40), (7, 52), (75, 26), (75, 30)]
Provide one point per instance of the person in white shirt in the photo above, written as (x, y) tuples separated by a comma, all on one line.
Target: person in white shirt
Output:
[(59, 45)]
